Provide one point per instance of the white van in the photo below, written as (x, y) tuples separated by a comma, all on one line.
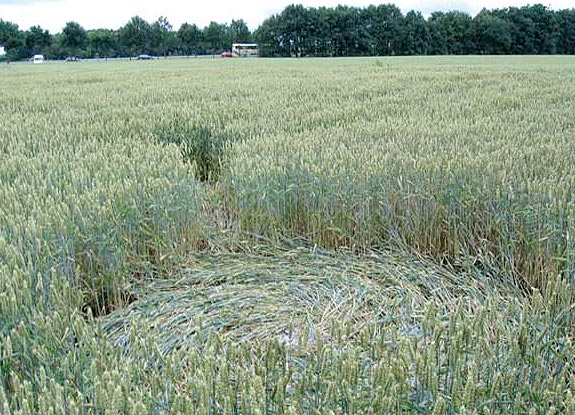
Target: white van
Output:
[(38, 59)]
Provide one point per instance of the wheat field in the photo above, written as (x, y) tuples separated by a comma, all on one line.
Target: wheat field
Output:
[(288, 236)]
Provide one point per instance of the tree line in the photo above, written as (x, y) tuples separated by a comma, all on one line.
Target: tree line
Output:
[(134, 38), (384, 31), (381, 30)]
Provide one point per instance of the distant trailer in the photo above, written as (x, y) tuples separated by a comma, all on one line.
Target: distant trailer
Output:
[(245, 49), (38, 59)]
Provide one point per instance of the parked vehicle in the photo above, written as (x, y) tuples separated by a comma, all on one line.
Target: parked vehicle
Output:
[(245, 49), (38, 59)]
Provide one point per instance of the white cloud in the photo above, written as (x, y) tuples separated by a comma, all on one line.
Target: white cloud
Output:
[(112, 14), (22, 2)]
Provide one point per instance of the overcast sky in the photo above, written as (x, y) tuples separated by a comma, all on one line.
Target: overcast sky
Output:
[(112, 14)]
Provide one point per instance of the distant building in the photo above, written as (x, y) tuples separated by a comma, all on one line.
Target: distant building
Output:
[(38, 59)]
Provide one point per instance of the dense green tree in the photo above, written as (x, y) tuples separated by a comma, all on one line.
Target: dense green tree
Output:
[(216, 38), (343, 29), (546, 30), (8, 31), (239, 32), (320, 38), (74, 38), (37, 41), (102, 43), (164, 40), (136, 37), (533, 29), (416, 34), (11, 39), (521, 30), (270, 37), (566, 31), (295, 20), (190, 38), (492, 34), (451, 33), (386, 27)]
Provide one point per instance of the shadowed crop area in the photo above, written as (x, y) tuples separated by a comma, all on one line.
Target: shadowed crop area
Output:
[(286, 236)]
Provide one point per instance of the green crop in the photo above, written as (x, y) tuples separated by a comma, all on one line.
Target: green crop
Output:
[(334, 236)]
